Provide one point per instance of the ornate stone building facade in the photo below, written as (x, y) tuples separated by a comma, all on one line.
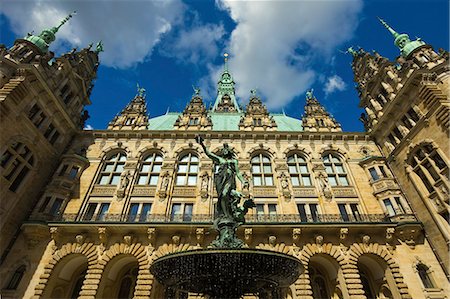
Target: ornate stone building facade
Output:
[(85, 213)]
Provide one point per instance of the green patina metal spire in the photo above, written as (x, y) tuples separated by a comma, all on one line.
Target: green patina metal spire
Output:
[(402, 40), (225, 88), (47, 36)]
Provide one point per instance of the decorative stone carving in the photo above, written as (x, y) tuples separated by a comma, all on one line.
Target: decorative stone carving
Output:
[(390, 233), (304, 192), (344, 192), (164, 186), (284, 182), (343, 233), (319, 240), (151, 233), (200, 235), (144, 191), (248, 234), (102, 237), (79, 239), (296, 233), (204, 186), (185, 191), (103, 190), (176, 239), (127, 240), (125, 178), (324, 185), (272, 240), (366, 239)]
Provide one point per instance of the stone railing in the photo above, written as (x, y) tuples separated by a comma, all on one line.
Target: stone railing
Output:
[(208, 218)]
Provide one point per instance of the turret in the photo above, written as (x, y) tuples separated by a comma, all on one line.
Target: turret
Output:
[(226, 99)]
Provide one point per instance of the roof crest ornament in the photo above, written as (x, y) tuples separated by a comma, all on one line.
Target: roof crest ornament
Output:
[(140, 91)]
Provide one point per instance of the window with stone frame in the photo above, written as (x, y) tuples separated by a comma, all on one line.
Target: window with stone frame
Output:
[(16, 278), (187, 170), (261, 170), (395, 205), (425, 276), (430, 167), (139, 211), (16, 162), (298, 170), (309, 212), (150, 169), (377, 172), (349, 212), (96, 211), (266, 211), (111, 169), (334, 167), (37, 115), (181, 212)]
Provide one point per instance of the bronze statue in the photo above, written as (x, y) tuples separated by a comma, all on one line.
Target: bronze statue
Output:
[(229, 214)]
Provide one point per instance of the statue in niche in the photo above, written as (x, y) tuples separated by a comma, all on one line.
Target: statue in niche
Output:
[(230, 215), (324, 185), (284, 181), (205, 181)]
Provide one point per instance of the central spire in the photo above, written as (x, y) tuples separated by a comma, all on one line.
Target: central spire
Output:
[(226, 99)]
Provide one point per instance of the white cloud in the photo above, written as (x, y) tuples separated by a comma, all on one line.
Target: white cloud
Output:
[(275, 43), (334, 83), (197, 44), (129, 29), (88, 127)]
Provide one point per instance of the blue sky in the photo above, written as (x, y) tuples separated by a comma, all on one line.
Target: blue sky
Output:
[(282, 48)]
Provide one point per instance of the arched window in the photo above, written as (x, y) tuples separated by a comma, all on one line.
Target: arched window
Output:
[(78, 284), (298, 169), (319, 283), (112, 169), (262, 170), (16, 161), (335, 170), (187, 170), (429, 166), (127, 284), (424, 274), (367, 287), (150, 169), (16, 278)]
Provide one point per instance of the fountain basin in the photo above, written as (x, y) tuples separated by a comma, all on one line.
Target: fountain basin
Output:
[(226, 273)]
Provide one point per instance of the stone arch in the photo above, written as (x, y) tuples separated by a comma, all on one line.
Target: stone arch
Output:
[(331, 148), (185, 149), (297, 149), (261, 148), (113, 149), (413, 147), (137, 250), (358, 250), (150, 149), (169, 248), (308, 252), (86, 249)]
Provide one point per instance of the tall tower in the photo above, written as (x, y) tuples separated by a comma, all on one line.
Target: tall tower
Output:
[(42, 99), (134, 116), (226, 99), (407, 112), (316, 118)]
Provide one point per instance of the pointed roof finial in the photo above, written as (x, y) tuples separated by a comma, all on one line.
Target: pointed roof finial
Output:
[(309, 94), (99, 47), (391, 30), (402, 40), (225, 65), (196, 90), (47, 36), (140, 91)]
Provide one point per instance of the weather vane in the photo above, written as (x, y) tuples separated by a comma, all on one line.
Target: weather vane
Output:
[(140, 90)]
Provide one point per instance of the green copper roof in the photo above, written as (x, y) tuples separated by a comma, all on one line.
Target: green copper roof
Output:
[(225, 122), (402, 41), (47, 36), (225, 86)]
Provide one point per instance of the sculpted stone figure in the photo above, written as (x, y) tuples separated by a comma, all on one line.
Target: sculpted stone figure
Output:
[(229, 214)]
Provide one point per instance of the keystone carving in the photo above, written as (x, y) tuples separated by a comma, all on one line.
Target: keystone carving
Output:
[(127, 240), (79, 239), (272, 241), (343, 233), (366, 239), (319, 240), (296, 233), (248, 234), (200, 235), (176, 240), (390, 233)]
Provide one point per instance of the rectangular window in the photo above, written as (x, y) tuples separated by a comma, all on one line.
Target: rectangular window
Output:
[(181, 212), (187, 216), (18, 180), (44, 204), (56, 207), (306, 181), (314, 212), (101, 216), (374, 174), (176, 212), (343, 181), (260, 209), (389, 207), (134, 207), (54, 137), (33, 111), (90, 212), (145, 211), (332, 180), (302, 212), (355, 211), (73, 172), (399, 205), (383, 172), (343, 211), (63, 170)]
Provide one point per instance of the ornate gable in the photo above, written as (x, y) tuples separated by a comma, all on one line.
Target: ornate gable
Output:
[(194, 116), (256, 116)]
